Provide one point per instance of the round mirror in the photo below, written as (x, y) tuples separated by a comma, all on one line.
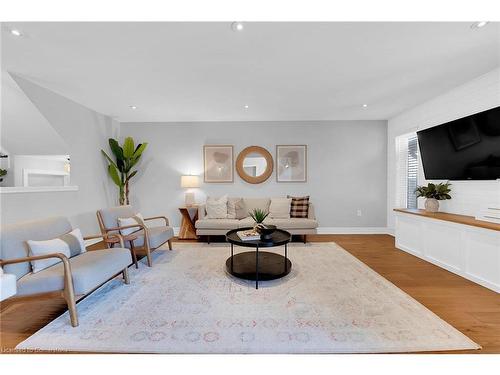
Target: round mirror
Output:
[(254, 164)]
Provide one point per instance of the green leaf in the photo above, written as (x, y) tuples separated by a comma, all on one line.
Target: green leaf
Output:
[(113, 172), (109, 159), (115, 147), (139, 150), (128, 147), (131, 175)]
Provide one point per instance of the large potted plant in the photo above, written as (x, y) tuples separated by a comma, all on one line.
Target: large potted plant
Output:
[(120, 171), (433, 194), (3, 173)]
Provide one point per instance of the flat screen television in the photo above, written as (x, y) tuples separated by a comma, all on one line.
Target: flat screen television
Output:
[(463, 149)]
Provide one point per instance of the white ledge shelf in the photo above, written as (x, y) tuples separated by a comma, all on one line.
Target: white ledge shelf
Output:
[(35, 189)]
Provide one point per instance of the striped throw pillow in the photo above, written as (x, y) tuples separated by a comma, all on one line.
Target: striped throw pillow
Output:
[(299, 207)]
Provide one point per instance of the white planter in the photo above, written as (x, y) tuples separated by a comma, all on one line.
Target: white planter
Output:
[(431, 205)]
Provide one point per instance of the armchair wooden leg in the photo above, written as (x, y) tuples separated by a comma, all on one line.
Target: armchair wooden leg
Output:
[(69, 296), (134, 255), (126, 278), (170, 244), (148, 256)]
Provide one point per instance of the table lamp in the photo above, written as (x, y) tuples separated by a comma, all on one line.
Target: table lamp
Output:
[(189, 182)]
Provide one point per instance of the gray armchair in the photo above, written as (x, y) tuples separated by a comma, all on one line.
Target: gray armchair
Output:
[(144, 238), (75, 277)]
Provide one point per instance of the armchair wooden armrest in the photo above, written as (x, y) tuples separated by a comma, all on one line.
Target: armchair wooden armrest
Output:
[(68, 291), (61, 256), (167, 222), (107, 235), (140, 226)]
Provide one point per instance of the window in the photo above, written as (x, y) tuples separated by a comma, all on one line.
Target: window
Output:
[(407, 170)]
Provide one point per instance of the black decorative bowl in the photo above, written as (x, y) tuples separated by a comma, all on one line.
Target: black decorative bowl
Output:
[(265, 231)]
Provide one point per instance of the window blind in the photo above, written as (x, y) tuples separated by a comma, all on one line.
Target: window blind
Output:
[(406, 170)]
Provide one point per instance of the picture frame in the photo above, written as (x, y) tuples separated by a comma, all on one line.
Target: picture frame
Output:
[(291, 163), (218, 163)]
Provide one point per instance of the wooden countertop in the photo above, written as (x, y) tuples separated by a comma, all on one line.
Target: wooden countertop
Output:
[(454, 218)]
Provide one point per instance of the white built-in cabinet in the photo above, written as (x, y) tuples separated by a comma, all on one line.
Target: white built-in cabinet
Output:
[(469, 251)]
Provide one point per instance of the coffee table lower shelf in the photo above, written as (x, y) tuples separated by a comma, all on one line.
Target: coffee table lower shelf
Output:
[(270, 266)]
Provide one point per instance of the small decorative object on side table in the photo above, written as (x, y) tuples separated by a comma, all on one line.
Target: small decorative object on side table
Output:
[(188, 230)]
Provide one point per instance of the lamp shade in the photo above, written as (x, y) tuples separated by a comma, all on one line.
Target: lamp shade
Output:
[(190, 182)]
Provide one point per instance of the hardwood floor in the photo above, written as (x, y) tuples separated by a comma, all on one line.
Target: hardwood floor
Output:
[(472, 309)]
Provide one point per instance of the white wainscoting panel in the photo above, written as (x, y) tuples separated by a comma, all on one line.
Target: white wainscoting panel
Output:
[(468, 251)]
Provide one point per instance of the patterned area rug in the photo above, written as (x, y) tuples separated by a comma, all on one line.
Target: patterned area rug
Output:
[(187, 303)]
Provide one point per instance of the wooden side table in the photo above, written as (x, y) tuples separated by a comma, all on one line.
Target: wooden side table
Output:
[(189, 217)]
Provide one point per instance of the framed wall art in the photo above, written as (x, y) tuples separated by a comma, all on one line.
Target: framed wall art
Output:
[(218, 163), (291, 163)]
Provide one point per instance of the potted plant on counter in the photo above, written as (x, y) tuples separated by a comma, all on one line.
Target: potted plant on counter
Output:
[(433, 194)]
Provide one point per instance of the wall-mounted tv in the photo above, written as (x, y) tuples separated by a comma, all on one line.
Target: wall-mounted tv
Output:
[(463, 149)]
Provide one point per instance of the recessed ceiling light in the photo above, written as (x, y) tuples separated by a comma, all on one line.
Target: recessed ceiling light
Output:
[(133, 107), (237, 26), (16, 32), (245, 106), (365, 105), (478, 25)]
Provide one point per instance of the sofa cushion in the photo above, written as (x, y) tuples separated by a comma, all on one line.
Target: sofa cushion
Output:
[(249, 222), (256, 203), (216, 207), (69, 244), (280, 208), (89, 270), (14, 236), (157, 236), (236, 208), (217, 224), (294, 223)]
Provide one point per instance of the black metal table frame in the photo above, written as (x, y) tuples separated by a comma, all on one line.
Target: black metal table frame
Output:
[(257, 262)]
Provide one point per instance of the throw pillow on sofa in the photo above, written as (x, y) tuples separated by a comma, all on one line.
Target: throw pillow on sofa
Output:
[(216, 207), (125, 221), (299, 207), (236, 208), (280, 208), (253, 203), (69, 244)]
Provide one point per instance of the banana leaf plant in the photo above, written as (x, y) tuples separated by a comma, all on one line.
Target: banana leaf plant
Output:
[(120, 171)]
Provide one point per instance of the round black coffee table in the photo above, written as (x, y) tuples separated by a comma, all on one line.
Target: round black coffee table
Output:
[(258, 265)]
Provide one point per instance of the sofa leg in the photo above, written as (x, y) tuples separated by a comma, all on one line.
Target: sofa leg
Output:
[(208, 239), (170, 244), (305, 238), (126, 278)]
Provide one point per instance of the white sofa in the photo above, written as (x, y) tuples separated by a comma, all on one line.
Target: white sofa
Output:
[(216, 227)]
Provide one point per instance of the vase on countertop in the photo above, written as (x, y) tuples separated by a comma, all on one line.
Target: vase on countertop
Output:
[(431, 205)]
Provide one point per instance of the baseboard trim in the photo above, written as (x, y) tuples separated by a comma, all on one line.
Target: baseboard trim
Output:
[(353, 230), (342, 230)]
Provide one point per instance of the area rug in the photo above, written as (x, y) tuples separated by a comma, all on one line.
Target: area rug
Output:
[(186, 303)]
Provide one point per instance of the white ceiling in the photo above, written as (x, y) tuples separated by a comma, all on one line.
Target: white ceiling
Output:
[(282, 71)]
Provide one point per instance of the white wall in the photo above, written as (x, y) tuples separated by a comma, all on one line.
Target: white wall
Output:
[(475, 96), (85, 132), (55, 163), (346, 166), (24, 129)]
